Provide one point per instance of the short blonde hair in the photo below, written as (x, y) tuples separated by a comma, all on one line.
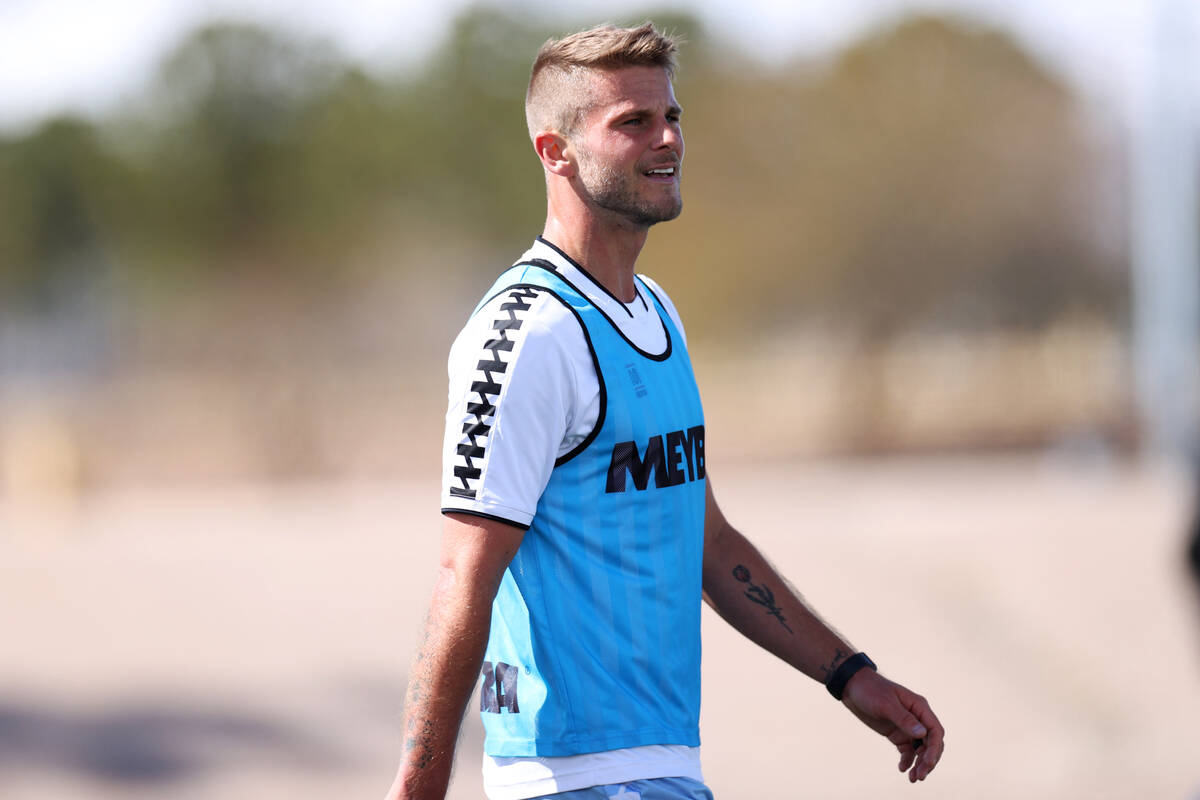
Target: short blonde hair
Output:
[(556, 98)]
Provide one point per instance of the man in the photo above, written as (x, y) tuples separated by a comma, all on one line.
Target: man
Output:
[(581, 529)]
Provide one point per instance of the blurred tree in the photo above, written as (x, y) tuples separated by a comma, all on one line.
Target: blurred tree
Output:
[(352, 142), (976, 160), (475, 161), (270, 207), (220, 169), (54, 185), (932, 175)]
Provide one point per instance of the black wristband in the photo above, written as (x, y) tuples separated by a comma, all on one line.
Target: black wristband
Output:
[(845, 671)]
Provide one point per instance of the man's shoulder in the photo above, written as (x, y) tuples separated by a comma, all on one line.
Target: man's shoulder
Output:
[(656, 289), (518, 303), (652, 284), (665, 300), (523, 321)]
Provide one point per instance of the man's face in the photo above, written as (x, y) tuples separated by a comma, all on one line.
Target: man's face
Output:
[(629, 147)]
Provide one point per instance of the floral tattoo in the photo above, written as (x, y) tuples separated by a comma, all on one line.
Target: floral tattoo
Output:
[(761, 595)]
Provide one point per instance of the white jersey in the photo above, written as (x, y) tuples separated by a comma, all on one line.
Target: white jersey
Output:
[(544, 403), (549, 397)]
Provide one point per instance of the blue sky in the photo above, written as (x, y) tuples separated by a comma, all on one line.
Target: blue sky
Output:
[(86, 56)]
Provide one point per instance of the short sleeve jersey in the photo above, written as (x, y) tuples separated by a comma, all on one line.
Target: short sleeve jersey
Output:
[(514, 410), (549, 394)]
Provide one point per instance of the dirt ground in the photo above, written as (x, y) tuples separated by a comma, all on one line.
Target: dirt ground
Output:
[(253, 641)]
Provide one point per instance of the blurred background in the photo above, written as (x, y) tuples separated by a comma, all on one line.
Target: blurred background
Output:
[(938, 272)]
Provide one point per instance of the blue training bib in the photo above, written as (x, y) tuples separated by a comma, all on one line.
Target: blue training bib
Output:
[(595, 636)]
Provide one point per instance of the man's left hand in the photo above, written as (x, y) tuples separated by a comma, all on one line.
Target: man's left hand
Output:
[(904, 717)]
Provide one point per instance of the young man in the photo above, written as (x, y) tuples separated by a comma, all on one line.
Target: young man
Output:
[(581, 529)]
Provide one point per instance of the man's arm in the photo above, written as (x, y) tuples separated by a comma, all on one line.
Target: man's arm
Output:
[(750, 595), (475, 553)]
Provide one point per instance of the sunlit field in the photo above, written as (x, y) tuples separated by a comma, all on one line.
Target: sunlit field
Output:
[(253, 641)]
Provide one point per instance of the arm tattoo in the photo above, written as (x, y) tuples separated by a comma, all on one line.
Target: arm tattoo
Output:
[(761, 595), (422, 740), (839, 656), (418, 733), (415, 739)]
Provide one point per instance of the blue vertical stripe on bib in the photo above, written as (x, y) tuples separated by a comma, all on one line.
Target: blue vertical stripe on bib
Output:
[(595, 639)]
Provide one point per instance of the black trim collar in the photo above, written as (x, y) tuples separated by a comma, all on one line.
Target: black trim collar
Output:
[(659, 312), (592, 278)]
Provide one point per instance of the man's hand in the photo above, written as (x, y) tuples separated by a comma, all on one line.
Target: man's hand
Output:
[(904, 717), (739, 583)]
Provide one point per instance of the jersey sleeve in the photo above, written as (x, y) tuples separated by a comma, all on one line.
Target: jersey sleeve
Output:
[(512, 400)]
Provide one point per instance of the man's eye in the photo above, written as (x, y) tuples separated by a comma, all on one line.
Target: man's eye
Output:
[(634, 121)]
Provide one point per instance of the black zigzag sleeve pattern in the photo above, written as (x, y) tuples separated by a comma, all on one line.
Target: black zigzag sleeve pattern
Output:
[(486, 388)]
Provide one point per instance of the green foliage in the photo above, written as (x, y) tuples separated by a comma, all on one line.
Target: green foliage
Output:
[(55, 185), (475, 159), (932, 174), (220, 168)]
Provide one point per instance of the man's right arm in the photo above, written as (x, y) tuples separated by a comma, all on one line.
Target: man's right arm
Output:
[(475, 553)]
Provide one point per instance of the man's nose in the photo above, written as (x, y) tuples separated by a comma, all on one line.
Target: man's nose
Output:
[(670, 137)]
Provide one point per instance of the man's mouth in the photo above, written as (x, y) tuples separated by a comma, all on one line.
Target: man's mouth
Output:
[(661, 172)]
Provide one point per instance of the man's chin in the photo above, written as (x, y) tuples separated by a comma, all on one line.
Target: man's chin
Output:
[(672, 214), (654, 216), (643, 214)]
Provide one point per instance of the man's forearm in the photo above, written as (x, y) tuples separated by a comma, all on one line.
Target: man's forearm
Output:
[(751, 596), (442, 678), (743, 587)]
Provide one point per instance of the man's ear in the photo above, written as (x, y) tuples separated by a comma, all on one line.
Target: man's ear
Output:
[(555, 153)]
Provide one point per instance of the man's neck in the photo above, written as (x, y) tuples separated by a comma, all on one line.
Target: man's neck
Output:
[(607, 252)]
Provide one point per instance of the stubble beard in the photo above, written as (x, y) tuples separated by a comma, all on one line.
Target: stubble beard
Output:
[(615, 192)]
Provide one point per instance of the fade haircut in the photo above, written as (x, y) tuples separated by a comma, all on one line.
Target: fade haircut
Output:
[(557, 96)]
